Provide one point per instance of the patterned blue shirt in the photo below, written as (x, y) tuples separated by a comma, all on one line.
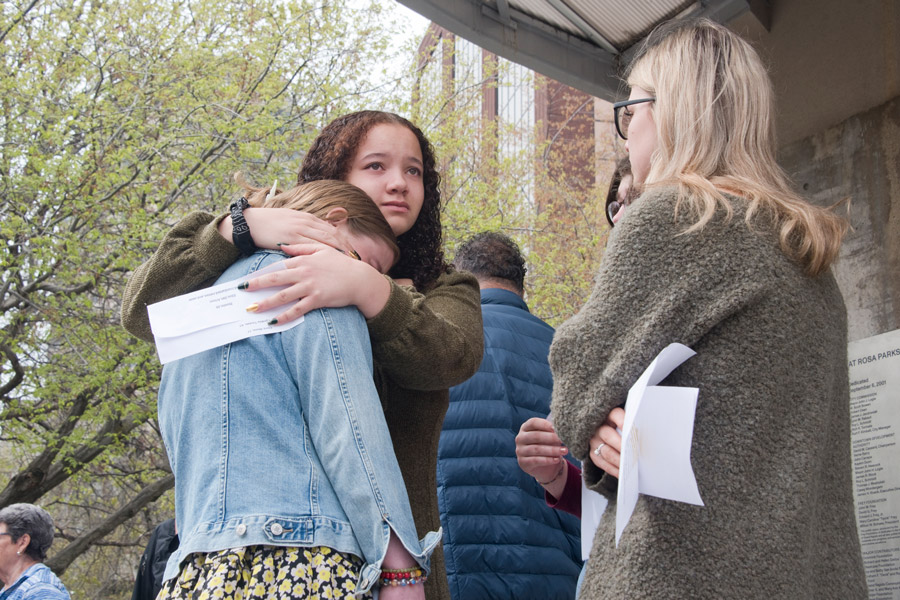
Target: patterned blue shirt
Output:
[(37, 583)]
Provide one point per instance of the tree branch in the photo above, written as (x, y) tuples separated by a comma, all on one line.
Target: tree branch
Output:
[(18, 371), (43, 475), (62, 559), (24, 484), (17, 20)]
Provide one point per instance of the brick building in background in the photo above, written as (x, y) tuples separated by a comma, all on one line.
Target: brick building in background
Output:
[(523, 154), (571, 132)]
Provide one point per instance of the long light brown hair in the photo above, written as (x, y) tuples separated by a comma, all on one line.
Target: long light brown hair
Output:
[(320, 197), (714, 115)]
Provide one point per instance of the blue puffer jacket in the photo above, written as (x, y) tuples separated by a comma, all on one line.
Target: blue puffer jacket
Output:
[(501, 540)]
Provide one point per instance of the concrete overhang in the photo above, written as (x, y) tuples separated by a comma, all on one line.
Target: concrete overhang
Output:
[(582, 43)]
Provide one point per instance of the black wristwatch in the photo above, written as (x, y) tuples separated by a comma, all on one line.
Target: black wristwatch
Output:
[(240, 231)]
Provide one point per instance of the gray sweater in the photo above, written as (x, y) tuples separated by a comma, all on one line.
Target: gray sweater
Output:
[(771, 446)]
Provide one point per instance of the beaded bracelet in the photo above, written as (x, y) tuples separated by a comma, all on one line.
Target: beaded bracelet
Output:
[(394, 577)]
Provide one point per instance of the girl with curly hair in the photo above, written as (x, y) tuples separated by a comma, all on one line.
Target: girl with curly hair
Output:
[(424, 319)]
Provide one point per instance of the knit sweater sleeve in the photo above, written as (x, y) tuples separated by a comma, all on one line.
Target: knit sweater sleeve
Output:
[(656, 285), (191, 256), (432, 340)]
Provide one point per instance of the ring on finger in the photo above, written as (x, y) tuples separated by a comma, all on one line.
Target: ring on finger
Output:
[(600, 447)]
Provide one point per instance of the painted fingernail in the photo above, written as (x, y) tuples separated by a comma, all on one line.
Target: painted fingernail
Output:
[(244, 286), (273, 322), (252, 308), (280, 244)]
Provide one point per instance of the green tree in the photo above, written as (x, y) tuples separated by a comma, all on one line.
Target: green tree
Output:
[(118, 118)]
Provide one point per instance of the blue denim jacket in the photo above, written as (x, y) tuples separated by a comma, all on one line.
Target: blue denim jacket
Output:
[(38, 582), (281, 440)]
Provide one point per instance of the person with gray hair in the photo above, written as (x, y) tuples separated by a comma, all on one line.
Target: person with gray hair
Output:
[(26, 533), (494, 259)]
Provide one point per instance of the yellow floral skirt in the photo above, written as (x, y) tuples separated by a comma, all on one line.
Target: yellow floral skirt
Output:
[(270, 572)]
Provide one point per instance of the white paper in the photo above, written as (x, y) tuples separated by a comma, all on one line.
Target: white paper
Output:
[(593, 505), (212, 317), (875, 432), (656, 439)]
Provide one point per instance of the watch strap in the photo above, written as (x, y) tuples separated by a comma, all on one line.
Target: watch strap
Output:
[(240, 231)]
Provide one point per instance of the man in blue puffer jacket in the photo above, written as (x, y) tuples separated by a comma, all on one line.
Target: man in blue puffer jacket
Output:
[(501, 540)]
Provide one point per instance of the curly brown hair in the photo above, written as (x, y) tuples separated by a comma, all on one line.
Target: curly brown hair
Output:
[(331, 156)]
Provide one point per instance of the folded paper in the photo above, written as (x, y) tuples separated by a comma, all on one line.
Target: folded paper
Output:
[(593, 506), (212, 317), (656, 439)]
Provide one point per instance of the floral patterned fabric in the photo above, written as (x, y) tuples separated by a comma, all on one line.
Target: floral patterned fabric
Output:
[(270, 572)]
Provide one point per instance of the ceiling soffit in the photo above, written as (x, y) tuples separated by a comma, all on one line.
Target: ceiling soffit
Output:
[(583, 43)]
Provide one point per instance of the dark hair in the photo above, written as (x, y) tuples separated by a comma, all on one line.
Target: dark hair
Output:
[(33, 520), (492, 255), (623, 168), (331, 156)]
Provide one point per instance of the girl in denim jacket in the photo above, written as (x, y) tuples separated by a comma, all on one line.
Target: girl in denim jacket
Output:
[(424, 320), (286, 481)]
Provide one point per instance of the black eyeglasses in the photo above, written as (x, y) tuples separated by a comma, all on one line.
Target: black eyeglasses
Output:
[(623, 118)]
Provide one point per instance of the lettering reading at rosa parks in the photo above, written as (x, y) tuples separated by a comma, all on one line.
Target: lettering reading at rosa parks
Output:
[(875, 428)]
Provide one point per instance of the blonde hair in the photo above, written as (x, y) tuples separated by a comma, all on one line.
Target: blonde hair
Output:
[(714, 115), (320, 197)]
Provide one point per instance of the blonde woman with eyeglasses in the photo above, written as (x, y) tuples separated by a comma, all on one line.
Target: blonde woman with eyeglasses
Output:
[(720, 254)]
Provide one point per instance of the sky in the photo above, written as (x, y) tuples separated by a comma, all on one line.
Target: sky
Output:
[(417, 22), (413, 24), (410, 29)]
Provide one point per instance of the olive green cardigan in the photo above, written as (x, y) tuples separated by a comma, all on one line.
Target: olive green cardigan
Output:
[(421, 344), (771, 444)]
